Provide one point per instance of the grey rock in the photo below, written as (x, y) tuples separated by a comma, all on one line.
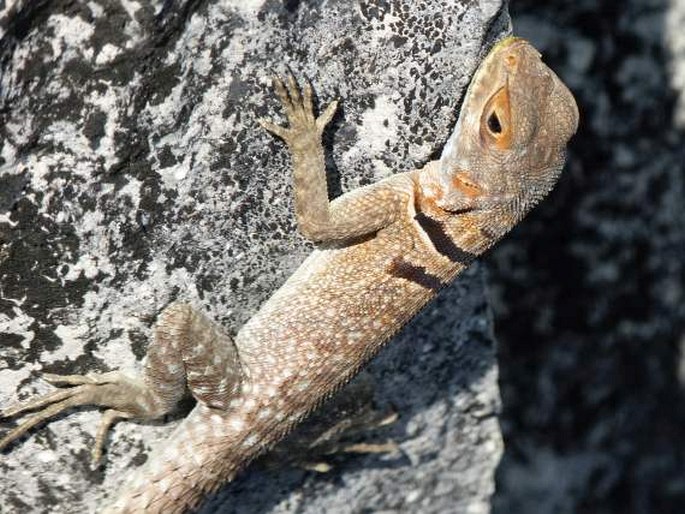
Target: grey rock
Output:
[(132, 173)]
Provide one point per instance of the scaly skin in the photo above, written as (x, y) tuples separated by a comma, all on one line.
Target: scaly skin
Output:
[(386, 249)]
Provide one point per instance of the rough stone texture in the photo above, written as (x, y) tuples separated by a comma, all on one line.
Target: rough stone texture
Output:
[(590, 299), (132, 173)]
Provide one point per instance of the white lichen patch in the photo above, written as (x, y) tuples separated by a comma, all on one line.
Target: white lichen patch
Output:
[(73, 338), (69, 135), (19, 324), (46, 456), (247, 8), (10, 380), (132, 29), (72, 35), (87, 266), (108, 102), (96, 9), (107, 54), (132, 191)]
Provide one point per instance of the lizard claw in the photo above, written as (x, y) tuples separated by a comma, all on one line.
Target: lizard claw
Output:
[(277, 130), (327, 115), (109, 417)]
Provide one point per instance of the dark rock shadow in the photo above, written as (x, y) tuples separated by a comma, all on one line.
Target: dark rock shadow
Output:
[(590, 289)]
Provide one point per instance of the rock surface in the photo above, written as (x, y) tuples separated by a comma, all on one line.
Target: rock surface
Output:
[(590, 298), (132, 173)]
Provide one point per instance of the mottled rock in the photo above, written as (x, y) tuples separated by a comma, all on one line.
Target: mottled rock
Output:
[(132, 173)]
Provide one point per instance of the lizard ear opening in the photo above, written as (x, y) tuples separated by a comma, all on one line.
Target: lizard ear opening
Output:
[(495, 125)]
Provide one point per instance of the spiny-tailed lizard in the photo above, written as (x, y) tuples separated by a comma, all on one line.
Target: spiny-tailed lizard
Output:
[(385, 251)]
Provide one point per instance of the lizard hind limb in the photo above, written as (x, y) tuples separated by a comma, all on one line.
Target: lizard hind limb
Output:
[(177, 358)]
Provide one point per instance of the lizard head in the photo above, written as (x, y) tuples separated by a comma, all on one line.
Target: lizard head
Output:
[(508, 147)]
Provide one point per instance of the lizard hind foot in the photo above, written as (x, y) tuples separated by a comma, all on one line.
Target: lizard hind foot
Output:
[(187, 353), (121, 395)]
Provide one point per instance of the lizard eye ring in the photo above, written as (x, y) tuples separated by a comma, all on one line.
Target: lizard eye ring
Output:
[(496, 120)]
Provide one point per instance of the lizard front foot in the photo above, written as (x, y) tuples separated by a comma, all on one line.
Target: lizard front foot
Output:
[(304, 128)]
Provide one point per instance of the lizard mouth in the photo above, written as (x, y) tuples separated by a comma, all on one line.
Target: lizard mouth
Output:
[(468, 196), (465, 194), (463, 210)]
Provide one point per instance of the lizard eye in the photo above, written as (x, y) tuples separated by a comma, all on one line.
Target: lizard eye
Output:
[(496, 123), (494, 126)]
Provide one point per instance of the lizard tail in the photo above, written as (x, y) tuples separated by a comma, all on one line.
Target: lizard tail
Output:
[(206, 450)]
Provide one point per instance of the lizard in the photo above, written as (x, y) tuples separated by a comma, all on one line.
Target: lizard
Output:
[(384, 251)]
